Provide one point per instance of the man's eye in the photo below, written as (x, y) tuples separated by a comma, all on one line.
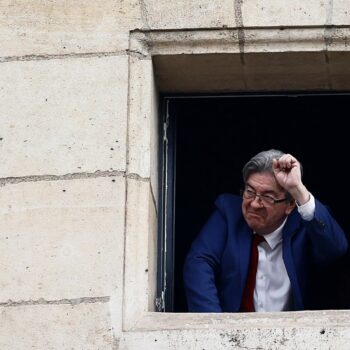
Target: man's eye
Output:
[(250, 192), (269, 198)]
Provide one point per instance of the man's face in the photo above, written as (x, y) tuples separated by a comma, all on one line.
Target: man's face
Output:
[(261, 217)]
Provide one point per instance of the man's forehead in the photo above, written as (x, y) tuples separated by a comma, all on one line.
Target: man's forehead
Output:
[(264, 181)]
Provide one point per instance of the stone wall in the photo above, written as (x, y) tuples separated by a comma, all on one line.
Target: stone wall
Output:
[(79, 172)]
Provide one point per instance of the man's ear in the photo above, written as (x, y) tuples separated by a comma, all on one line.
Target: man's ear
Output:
[(290, 207)]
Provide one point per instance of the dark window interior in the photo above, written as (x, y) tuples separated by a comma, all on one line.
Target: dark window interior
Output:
[(215, 136)]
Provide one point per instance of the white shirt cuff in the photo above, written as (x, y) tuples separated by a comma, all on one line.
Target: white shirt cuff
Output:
[(307, 210)]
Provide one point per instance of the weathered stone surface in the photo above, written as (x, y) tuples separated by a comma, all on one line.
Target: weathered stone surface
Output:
[(62, 242), (242, 41), (281, 71), (340, 14), (41, 27), (271, 71), (57, 327), (63, 116), (272, 330), (62, 239), (143, 119), (339, 70), (152, 253), (189, 14), (252, 338), (193, 73), (257, 13), (268, 13), (140, 235)]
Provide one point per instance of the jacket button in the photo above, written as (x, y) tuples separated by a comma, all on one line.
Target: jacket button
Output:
[(322, 223)]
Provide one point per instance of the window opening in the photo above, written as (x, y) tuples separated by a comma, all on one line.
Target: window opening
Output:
[(207, 140)]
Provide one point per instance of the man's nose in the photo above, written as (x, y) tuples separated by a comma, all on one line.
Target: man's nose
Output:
[(256, 202)]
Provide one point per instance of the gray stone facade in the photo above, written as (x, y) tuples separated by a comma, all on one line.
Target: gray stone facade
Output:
[(79, 85)]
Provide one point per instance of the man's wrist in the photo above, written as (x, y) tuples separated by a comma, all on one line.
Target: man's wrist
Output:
[(307, 210), (300, 194)]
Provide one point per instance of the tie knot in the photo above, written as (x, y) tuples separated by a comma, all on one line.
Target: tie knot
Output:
[(258, 239)]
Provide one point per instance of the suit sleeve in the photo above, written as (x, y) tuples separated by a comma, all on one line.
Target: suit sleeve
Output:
[(202, 266), (328, 238)]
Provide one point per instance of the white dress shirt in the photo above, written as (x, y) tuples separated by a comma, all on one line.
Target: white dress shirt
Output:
[(272, 289)]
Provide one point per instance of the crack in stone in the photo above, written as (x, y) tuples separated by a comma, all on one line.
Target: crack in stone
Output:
[(328, 39), (144, 14), (137, 177), (116, 342), (137, 54), (42, 301), (239, 25), (73, 176), (61, 56), (328, 31)]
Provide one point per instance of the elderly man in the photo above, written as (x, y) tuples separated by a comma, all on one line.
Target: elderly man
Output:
[(256, 252)]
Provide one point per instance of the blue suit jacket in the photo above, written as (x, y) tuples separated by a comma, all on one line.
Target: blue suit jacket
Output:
[(216, 267)]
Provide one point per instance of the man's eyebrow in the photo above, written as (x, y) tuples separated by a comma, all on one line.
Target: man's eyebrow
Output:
[(265, 192)]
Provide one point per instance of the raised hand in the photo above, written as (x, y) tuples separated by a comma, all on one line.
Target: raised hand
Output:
[(287, 172)]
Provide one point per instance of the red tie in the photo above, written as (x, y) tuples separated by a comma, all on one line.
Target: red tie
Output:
[(248, 294)]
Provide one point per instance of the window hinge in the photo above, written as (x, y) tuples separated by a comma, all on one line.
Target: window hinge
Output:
[(165, 129), (166, 124), (160, 303)]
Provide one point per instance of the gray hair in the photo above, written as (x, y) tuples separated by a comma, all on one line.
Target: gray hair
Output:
[(262, 163)]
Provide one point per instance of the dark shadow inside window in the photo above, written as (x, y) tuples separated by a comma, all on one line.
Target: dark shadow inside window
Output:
[(216, 136)]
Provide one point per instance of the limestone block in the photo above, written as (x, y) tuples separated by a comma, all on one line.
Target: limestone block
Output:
[(152, 254), (142, 117), (63, 116), (337, 39), (291, 13), (204, 73), (258, 337), (166, 14), (62, 239), (139, 239), (41, 27), (154, 145), (56, 327), (280, 71), (339, 70), (284, 40), (340, 12)]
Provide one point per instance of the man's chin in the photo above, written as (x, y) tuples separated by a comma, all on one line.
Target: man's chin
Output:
[(254, 224)]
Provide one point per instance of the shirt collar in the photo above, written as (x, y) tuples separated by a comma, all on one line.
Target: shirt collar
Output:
[(275, 237)]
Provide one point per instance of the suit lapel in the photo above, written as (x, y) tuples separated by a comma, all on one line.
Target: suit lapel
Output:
[(244, 246), (289, 230)]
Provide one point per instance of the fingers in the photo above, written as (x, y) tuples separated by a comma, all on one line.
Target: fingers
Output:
[(285, 163), (275, 165)]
